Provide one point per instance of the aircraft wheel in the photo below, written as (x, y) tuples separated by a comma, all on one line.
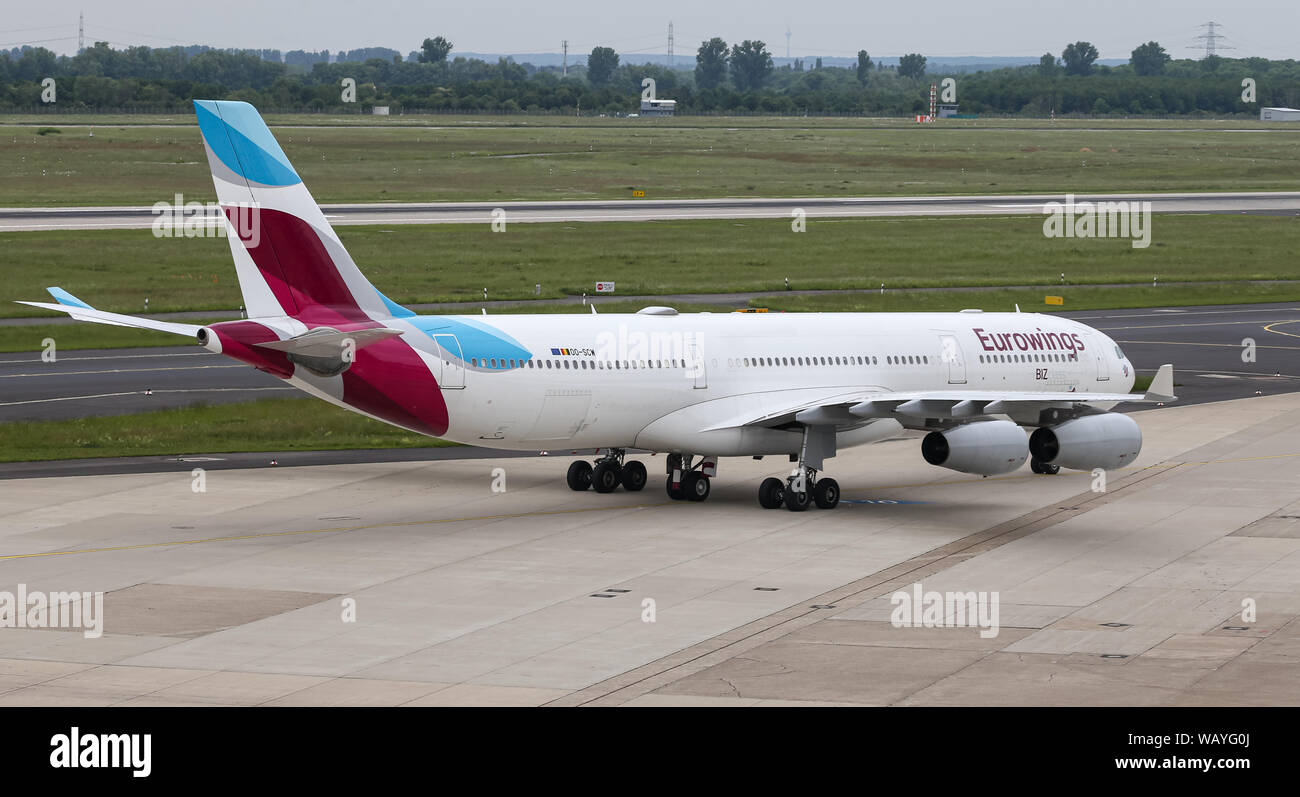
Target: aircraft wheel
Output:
[(771, 493), (579, 477), (1045, 468), (797, 500), (675, 493), (826, 493), (695, 485), (606, 476), (634, 476)]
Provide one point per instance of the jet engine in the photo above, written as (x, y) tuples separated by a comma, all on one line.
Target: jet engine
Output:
[(984, 447), (1107, 440)]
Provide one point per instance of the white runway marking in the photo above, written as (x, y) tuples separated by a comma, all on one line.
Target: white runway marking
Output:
[(126, 370), (63, 359), (141, 393)]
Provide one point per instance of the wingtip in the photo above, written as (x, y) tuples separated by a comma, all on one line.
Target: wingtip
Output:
[(1162, 384), (64, 298)]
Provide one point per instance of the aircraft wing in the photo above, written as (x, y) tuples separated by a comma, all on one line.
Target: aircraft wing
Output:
[(80, 311), (916, 408)]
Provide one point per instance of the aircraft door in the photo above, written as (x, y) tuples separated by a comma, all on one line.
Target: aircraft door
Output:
[(695, 364), (452, 376), (1101, 355), (950, 354)]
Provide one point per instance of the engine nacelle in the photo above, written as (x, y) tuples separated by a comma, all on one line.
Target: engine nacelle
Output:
[(239, 339), (984, 447), (1108, 440)]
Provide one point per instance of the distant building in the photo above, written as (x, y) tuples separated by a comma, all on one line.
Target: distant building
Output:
[(1279, 115), (380, 110), (658, 107), (946, 111)]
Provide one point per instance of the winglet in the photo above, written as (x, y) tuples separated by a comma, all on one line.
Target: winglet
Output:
[(1162, 385), (63, 297)]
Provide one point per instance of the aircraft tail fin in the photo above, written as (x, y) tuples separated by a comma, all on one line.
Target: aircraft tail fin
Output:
[(288, 258)]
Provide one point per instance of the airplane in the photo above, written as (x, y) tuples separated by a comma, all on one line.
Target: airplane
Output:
[(694, 386)]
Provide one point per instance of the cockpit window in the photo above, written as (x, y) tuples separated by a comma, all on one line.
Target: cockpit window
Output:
[(1118, 353)]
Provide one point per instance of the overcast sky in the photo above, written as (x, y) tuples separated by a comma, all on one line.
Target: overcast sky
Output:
[(818, 27)]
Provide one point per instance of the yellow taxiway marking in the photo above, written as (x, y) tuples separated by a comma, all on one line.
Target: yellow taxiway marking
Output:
[(1269, 328), (1193, 343), (1180, 326), (273, 534)]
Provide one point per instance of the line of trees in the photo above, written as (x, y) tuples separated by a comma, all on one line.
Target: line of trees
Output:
[(726, 78)]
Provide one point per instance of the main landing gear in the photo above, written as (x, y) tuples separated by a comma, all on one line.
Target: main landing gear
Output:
[(802, 488), (607, 473), (689, 480), (799, 491)]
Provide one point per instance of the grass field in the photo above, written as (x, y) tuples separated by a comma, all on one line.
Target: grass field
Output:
[(507, 158), (117, 270), (297, 424), (358, 119)]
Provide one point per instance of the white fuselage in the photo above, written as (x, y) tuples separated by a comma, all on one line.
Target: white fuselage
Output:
[(660, 382)]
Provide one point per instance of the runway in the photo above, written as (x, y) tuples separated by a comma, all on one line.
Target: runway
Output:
[(415, 583), (1204, 343), (652, 209)]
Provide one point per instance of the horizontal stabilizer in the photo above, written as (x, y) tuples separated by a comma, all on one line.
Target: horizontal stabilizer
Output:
[(329, 342), (84, 312)]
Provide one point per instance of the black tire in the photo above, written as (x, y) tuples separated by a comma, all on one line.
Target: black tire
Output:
[(771, 493), (1045, 468), (634, 476), (797, 501), (579, 477), (605, 477), (675, 493), (826, 493), (695, 485)]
